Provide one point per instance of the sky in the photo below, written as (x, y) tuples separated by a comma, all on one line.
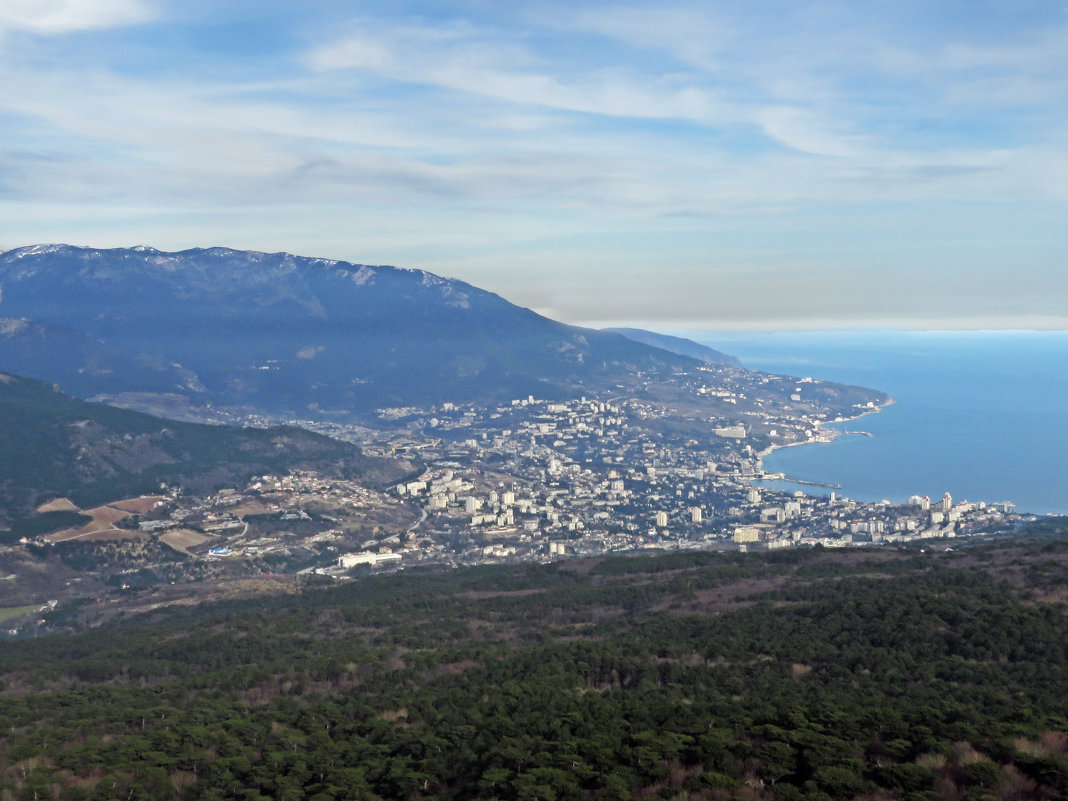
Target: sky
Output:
[(714, 165)]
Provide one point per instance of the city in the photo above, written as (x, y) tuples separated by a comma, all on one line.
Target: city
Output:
[(674, 465)]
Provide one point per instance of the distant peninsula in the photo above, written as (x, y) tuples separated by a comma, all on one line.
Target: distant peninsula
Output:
[(677, 345)]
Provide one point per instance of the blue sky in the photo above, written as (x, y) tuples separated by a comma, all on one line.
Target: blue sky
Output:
[(698, 165)]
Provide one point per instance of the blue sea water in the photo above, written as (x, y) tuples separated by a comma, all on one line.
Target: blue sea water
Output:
[(982, 415)]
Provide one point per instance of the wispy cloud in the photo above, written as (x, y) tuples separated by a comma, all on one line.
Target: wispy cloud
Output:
[(66, 16), (472, 60), (814, 139), (689, 34)]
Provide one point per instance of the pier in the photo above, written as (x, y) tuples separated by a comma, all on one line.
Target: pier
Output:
[(784, 477)]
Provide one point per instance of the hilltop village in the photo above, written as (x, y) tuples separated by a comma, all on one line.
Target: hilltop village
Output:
[(663, 466)]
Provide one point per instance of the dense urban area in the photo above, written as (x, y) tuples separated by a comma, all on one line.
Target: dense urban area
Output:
[(666, 465)]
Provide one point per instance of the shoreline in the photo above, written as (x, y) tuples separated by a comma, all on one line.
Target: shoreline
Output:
[(822, 436), (979, 415)]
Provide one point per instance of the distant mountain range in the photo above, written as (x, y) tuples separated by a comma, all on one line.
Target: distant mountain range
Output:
[(294, 336), (54, 445), (679, 345)]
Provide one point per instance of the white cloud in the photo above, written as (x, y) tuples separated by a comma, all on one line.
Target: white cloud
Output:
[(1043, 53), (802, 130), (688, 34), (576, 146), (469, 60), (66, 16)]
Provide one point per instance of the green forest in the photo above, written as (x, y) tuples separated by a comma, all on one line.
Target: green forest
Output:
[(812, 675), (54, 445)]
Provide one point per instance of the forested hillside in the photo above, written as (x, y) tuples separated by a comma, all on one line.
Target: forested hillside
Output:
[(53, 445), (815, 675)]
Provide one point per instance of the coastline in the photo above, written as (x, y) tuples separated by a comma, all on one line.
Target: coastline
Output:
[(978, 414), (822, 436)]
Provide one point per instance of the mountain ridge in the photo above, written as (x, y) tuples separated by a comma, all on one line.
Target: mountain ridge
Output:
[(679, 345), (295, 334)]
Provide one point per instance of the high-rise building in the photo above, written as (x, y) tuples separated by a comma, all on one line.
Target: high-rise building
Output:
[(746, 534)]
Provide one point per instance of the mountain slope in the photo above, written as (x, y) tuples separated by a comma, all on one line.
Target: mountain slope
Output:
[(303, 336), (82, 364), (679, 345), (55, 445)]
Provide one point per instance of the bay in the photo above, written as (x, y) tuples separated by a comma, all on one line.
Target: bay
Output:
[(982, 415)]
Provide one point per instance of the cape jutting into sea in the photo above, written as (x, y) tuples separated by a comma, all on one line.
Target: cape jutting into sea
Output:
[(982, 415)]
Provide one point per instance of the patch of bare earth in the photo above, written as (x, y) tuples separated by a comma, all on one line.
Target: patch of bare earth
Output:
[(251, 508), (183, 538), (58, 505), (138, 506), (101, 527)]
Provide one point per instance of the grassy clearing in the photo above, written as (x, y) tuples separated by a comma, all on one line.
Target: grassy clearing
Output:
[(17, 611)]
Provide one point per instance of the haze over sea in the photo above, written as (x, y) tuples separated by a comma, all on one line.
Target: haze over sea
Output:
[(983, 415)]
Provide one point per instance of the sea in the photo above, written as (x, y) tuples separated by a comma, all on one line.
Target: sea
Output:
[(981, 415)]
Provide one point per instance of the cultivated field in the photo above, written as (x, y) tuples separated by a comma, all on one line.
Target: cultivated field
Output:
[(58, 505), (138, 506), (183, 538), (101, 528)]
